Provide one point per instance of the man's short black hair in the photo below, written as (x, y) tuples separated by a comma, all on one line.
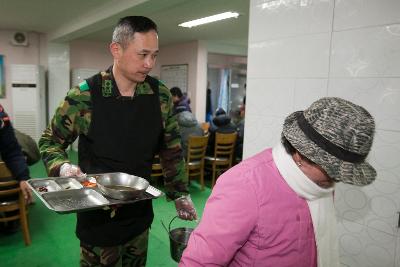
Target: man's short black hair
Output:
[(128, 26), (176, 91)]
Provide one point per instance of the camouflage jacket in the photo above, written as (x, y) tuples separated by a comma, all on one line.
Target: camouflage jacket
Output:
[(73, 116)]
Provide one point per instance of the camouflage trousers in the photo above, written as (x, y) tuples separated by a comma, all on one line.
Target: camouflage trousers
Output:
[(132, 254)]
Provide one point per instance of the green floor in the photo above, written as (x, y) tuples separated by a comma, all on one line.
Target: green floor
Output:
[(53, 237)]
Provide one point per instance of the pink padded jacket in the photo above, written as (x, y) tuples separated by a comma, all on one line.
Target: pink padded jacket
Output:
[(253, 218)]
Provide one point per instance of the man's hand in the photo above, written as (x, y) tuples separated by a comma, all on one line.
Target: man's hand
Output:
[(26, 191), (70, 170), (185, 208)]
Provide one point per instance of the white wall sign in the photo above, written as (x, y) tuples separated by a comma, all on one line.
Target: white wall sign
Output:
[(175, 75)]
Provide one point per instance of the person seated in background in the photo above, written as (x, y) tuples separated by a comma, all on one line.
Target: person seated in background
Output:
[(277, 208), (238, 121), (188, 126), (243, 108), (14, 159), (181, 101), (208, 103), (240, 130), (221, 123), (29, 147), (239, 143)]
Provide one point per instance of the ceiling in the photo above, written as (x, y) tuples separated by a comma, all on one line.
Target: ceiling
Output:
[(94, 19)]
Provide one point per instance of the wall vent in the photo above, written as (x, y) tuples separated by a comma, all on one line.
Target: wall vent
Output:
[(19, 39)]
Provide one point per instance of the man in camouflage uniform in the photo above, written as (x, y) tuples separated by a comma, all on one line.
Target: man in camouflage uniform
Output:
[(123, 117)]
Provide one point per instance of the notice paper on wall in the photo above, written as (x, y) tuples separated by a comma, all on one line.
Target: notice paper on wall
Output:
[(175, 75)]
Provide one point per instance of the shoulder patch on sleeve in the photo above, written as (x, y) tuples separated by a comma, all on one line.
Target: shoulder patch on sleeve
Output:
[(163, 89), (161, 83), (83, 86)]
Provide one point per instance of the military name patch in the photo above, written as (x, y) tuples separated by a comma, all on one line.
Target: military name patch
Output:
[(107, 88)]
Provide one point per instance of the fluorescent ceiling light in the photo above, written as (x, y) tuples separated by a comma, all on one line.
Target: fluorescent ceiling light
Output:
[(217, 17)]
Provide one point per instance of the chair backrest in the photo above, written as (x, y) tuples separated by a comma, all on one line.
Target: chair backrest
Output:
[(197, 146), (4, 171), (7, 186), (225, 145)]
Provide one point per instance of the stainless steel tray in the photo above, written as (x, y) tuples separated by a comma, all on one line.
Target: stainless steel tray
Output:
[(68, 195), (74, 200)]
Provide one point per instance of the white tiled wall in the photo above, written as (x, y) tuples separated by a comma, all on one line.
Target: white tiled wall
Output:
[(305, 56), (352, 14), (301, 50), (366, 52)]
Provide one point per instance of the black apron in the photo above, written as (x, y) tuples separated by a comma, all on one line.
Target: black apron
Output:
[(124, 136)]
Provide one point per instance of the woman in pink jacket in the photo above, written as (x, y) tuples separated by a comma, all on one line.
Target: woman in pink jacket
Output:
[(276, 208)]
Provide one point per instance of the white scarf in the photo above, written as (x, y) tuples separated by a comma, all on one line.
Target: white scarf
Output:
[(320, 203)]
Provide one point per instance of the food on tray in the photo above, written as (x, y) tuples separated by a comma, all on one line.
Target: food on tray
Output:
[(42, 189), (88, 184)]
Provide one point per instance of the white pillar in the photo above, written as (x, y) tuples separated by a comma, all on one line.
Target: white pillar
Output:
[(201, 82), (58, 74)]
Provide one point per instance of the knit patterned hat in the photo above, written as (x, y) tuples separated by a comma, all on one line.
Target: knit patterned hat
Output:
[(337, 135)]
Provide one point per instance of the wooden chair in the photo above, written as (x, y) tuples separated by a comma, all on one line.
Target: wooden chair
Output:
[(222, 159), (197, 146), (156, 170), (11, 188)]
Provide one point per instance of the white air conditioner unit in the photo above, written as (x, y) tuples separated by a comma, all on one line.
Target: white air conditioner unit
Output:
[(29, 99), (19, 39)]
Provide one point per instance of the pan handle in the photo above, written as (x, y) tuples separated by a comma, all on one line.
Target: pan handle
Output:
[(165, 228), (169, 226)]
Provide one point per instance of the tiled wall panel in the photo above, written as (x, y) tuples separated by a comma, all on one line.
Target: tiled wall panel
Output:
[(281, 19), (303, 56), (301, 50), (366, 52), (351, 14)]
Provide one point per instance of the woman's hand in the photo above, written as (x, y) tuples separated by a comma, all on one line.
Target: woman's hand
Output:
[(26, 191)]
